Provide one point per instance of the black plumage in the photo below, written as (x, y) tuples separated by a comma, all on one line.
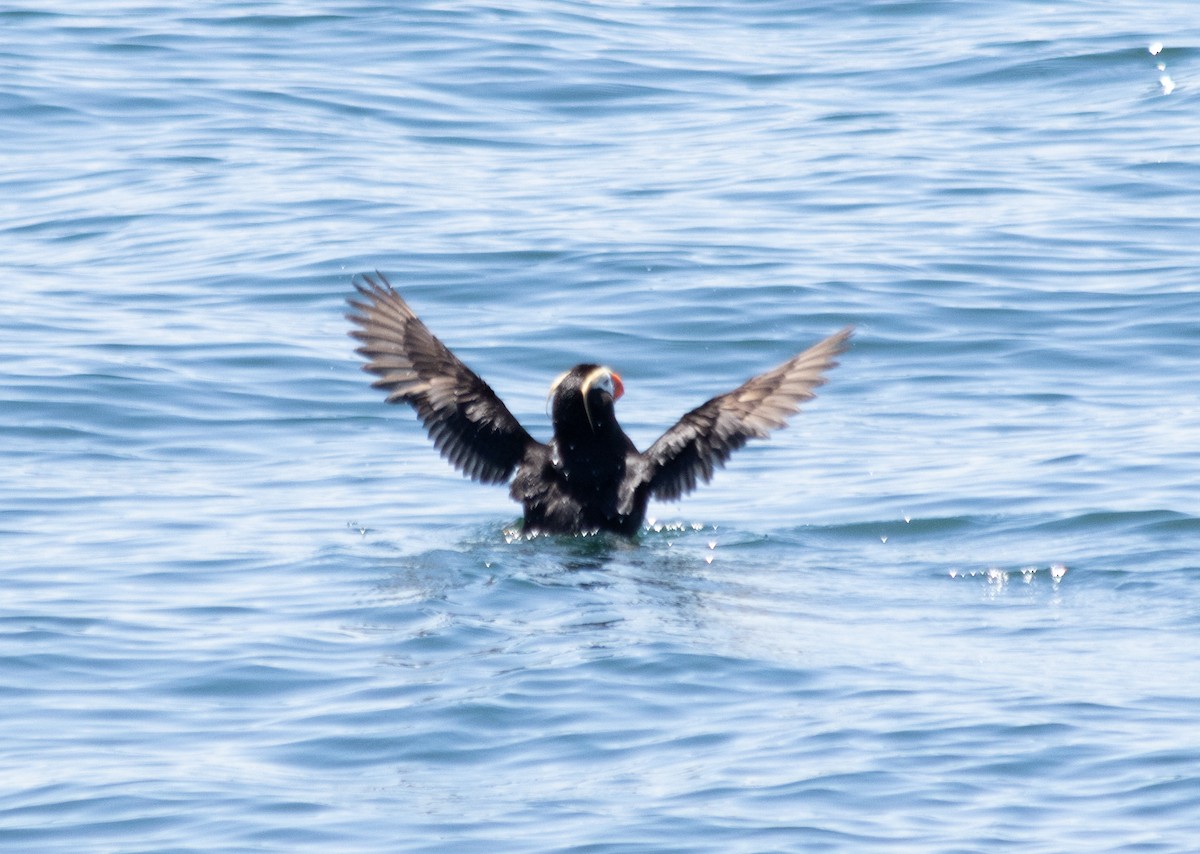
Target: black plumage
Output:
[(589, 477)]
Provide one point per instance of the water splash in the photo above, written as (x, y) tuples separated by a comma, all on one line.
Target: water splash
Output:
[(1164, 79), (998, 576)]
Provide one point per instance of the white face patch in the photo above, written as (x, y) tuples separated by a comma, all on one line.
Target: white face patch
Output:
[(600, 378)]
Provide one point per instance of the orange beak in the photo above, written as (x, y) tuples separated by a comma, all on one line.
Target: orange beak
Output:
[(618, 386)]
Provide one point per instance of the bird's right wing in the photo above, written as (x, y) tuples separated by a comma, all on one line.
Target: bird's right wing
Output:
[(469, 424), (701, 441)]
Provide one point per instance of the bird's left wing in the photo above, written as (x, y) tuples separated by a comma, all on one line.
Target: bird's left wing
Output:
[(469, 424), (702, 440)]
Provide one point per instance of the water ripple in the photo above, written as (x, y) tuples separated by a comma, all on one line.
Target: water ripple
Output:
[(246, 605)]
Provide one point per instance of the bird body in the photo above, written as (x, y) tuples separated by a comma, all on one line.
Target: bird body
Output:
[(589, 477)]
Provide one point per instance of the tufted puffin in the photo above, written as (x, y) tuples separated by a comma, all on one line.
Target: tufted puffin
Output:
[(589, 477)]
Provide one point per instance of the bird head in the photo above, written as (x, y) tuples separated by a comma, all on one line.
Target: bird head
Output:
[(585, 395)]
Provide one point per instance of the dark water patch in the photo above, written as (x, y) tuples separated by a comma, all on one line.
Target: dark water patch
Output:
[(911, 527), (1107, 521), (1109, 64), (259, 22), (246, 681)]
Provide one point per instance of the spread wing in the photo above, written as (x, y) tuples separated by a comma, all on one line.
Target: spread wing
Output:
[(701, 441), (468, 423)]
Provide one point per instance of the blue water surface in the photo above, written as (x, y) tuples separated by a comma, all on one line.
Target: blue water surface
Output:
[(955, 607)]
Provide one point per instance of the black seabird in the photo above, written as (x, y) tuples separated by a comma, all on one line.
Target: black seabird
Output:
[(589, 477)]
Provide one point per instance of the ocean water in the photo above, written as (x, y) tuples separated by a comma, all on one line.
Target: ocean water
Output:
[(955, 607)]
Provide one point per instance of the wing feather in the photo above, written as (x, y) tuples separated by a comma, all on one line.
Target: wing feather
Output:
[(468, 423), (703, 439)]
